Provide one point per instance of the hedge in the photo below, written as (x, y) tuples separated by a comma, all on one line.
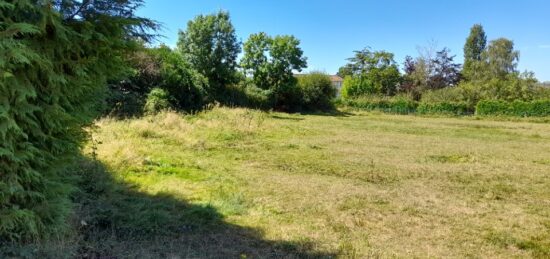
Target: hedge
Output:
[(537, 108), (444, 108), (399, 106)]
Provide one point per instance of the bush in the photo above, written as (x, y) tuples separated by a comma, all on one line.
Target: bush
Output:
[(398, 104), (158, 67), (355, 86), (510, 88), (287, 97), (444, 95), (124, 104), (542, 93), (537, 108), (187, 88), (317, 91), (246, 94), (157, 100), (258, 98), (127, 95), (444, 108)]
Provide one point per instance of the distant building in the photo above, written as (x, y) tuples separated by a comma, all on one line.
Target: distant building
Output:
[(337, 83)]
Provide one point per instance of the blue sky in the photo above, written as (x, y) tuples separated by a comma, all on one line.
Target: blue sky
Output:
[(330, 30)]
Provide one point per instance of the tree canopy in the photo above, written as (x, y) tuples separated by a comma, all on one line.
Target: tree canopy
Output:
[(475, 46), (376, 72), (210, 44), (272, 60), (501, 57)]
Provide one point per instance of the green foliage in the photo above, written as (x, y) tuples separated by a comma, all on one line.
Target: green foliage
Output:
[(246, 94), (157, 100), (317, 90), (537, 108), (271, 62), (475, 46), (287, 97), (188, 89), (54, 67), (158, 67), (372, 72), (511, 87), (353, 87), (210, 44), (346, 70), (498, 61), (258, 98), (415, 79), (501, 58), (449, 94), (127, 95), (430, 71), (541, 92), (444, 108), (400, 104), (124, 103)]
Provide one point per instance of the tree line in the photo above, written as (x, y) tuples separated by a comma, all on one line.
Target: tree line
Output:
[(489, 72), (204, 69)]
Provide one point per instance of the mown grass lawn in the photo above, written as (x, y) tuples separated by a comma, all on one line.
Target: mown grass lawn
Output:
[(242, 183)]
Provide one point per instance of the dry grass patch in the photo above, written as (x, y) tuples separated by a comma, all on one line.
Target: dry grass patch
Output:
[(348, 185)]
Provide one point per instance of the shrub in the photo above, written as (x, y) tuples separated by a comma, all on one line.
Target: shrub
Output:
[(123, 103), (537, 108), (246, 94), (127, 95), (317, 91), (398, 104), (187, 88), (509, 88), (158, 67), (444, 95), (542, 93), (287, 97), (258, 98), (356, 86), (444, 108), (157, 100)]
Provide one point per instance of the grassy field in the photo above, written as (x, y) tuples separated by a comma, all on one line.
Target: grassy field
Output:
[(242, 183)]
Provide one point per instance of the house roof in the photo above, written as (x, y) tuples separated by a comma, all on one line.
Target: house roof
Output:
[(336, 78), (333, 78)]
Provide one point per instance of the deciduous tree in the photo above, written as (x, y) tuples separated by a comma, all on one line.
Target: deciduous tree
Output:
[(271, 62), (475, 45), (210, 44), (445, 73), (377, 71), (501, 57)]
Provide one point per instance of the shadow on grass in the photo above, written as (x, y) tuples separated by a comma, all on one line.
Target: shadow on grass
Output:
[(278, 117), (117, 221), (329, 113)]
